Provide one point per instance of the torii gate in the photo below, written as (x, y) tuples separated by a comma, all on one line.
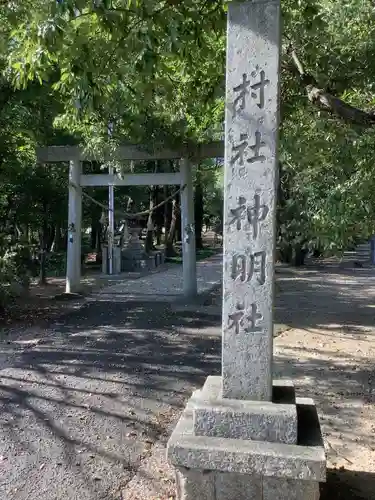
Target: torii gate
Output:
[(75, 156)]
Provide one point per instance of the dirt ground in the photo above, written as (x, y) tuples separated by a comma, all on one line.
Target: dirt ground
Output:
[(329, 352), (42, 302), (327, 347), (47, 302)]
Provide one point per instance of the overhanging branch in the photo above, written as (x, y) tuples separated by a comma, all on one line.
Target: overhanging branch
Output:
[(327, 101)]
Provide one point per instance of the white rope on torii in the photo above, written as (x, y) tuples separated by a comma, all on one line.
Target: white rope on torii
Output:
[(126, 214)]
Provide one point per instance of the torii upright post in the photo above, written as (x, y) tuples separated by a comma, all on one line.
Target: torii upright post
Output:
[(73, 262)]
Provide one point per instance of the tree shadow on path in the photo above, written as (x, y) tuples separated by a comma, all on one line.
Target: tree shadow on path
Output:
[(82, 407)]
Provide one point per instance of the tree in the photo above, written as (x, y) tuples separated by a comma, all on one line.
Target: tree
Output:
[(327, 134), (155, 68), (208, 197)]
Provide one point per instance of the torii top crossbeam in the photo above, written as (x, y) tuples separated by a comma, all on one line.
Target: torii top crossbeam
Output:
[(52, 154)]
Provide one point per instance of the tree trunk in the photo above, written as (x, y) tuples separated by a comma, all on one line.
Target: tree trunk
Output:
[(57, 244), (43, 245), (167, 215), (95, 233), (286, 254), (149, 244), (327, 101), (51, 233), (158, 234), (27, 233), (98, 244), (170, 251), (129, 204), (299, 255), (158, 216), (178, 231), (198, 212)]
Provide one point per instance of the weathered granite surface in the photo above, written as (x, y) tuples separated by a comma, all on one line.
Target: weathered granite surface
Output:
[(234, 469), (249, 198), (185, 449), (194, 484), (289, 489), (236, 486), (237, 419)]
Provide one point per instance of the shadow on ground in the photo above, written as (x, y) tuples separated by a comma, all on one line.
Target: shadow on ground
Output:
[(311, 298), (348, 485), (83, 404)]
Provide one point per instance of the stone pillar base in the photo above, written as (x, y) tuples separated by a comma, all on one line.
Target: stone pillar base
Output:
[(275, 450), (209, 485)]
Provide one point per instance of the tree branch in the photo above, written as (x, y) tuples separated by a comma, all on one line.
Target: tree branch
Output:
[(327, 101)]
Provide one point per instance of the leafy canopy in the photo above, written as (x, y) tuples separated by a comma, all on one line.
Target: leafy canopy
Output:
[(155, 69)]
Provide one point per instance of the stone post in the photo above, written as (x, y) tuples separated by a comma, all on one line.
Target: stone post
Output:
[(188, 234), (73, 264), (251, 126), (244, 435)]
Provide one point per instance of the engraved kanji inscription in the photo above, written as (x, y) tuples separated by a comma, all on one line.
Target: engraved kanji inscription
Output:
[(253, 320), (239, 214), (249, 321), (252, 214), (242, 90), (260, 87), (257, 267), (257, 214), (238, 150), (256, 148), (239, 267), (245, 268), (236, 319)]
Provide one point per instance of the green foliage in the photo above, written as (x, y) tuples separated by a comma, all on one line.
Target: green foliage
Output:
[(328, 164), (211, 177), (155, 69), (14, 273), (162, 62), (56, 264)]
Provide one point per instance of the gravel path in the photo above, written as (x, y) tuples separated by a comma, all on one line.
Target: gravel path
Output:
[(84, 401), (166, 286), (329, 352)]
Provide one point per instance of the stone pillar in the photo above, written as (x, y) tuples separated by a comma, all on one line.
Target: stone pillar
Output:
[(244, 435), (188, 234), (251, 126), (73, 264)]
